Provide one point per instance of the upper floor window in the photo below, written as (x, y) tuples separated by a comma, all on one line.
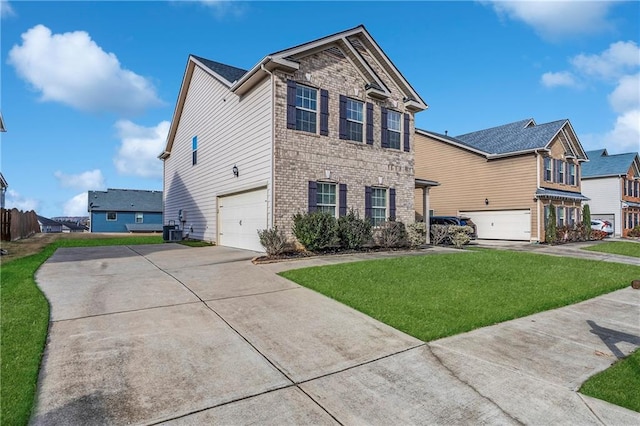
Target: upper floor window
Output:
[(306, 108), (139, 217), (378, 206), (393, 129), (112, 216), (572, 174), (637, 190), (194, 151), (560, 174), (547, 169), (355, 120), (326, 198)]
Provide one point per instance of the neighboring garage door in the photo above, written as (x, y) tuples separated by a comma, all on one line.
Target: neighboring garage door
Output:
[(502, 224), (239, 218)]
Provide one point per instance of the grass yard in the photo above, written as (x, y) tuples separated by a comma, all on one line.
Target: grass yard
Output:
[(625, 248), (435, 296), (24, 315), (616, 384)]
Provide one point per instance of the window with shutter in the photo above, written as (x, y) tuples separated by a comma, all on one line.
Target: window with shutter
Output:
[(378, 206), (384, 135), (313, 190), (342, 202), (306, 108), (326, 198), (392, 203), (324, 112)]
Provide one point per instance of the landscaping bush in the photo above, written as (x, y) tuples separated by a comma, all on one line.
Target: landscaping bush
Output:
[(392, 234), (569, 234), (417, 234), (635, 232), (598, 235), (354, 232), (586, 219), (439, 234), (316, 231), (274, 241), (550, 231), (459, 235)]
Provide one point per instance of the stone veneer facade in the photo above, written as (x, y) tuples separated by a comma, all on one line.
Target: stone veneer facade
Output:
[(300, 157)]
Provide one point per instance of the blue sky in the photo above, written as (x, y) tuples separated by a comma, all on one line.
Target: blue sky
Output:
[(89, 88)]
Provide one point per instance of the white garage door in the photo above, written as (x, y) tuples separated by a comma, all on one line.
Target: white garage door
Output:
[(240, 216), (502, 224)]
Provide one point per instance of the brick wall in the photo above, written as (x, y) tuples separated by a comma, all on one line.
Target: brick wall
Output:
[(300, 156)]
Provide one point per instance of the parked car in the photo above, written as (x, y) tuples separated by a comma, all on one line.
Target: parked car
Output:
[(602, 225), (455, 220)]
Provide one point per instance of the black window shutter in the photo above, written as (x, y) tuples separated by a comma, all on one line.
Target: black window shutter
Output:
[(369, 123), (291, 104), (342, 210), (368, 213), (324, 112), (392, 203), (343, 117), (313, 194), (407, 147), (384, 137)]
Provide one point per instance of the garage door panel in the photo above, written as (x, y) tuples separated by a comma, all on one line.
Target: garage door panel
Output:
[(502, 224), (240, 217)]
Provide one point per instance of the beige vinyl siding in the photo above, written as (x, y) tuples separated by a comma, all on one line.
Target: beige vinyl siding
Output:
[(557, 150), (467, 179), (231, 131)]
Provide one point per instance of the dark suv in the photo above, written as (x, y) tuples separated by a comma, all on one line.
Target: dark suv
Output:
[(455, 220)]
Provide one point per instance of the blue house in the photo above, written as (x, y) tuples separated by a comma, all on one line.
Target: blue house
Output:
[(125, 210)]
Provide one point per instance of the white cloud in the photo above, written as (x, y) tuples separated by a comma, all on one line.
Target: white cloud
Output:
[(223, 8), (625, 135), (626, 96), (6, 9), (76, 206), (72, 69), (139, 149), (620, 58), (89, 180), (553, 19), (14, 200), (555, 79)]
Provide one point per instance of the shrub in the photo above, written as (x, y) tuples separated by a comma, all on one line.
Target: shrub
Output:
[(354, 232), (459, 235), (439, 234), (274, 241), (316, 231), (586, 219), (635, 232), (550, 231), (392, 234), (596, 234), (417, 233)]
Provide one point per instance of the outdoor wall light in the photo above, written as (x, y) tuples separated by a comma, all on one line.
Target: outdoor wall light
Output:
[(236, 173), (486, 201)]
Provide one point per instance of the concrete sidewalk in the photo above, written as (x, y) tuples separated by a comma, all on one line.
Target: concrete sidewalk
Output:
[(178, 335)]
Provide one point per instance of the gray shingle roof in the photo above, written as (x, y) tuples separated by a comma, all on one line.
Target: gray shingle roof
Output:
[(48, 222), (227, 71), (602, 164), (125, 200), (557, 194)]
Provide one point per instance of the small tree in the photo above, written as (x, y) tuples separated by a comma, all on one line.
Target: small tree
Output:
[(586, 220), (550, 230)]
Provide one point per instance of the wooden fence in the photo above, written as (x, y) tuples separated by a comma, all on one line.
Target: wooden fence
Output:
[(16, 224)]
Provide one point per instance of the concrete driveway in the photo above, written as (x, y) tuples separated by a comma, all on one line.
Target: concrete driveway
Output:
[(178, 335)]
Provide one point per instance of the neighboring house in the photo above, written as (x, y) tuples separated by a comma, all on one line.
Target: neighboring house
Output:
[(49, 226), (327, 125), (506, 177), (125, 210), (73, 227), (613, 184)]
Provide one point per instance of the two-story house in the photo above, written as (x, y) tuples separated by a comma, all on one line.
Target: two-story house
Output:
[(326, 125), (613, 184), (505, 178)]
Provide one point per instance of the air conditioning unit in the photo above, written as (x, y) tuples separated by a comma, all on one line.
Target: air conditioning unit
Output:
[(175, 235)]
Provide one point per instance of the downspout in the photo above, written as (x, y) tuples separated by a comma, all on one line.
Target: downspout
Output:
[(272, 203), (539, 222)]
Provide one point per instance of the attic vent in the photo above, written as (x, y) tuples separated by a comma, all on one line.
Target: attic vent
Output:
[(335, 51), (355, 42)]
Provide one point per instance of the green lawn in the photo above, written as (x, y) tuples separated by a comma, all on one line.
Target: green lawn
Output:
[(616, 384), (625, 248), (435, 296), (24, 315)]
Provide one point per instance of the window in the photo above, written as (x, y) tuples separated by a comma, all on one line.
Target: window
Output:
[(194, 151), (547, 169), (378, 206), (393, 129), (306, 108), (112, 216), (571, 216), (560, 216), (354, 120), (560, 165), (139, 218), (546, 215), (572, 174), (326, 198)]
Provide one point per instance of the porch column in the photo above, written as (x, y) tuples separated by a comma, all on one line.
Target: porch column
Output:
[(426, 217)]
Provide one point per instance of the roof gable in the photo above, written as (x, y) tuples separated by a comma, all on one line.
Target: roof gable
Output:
[(125, 200), (601, 164), (227, 72)]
